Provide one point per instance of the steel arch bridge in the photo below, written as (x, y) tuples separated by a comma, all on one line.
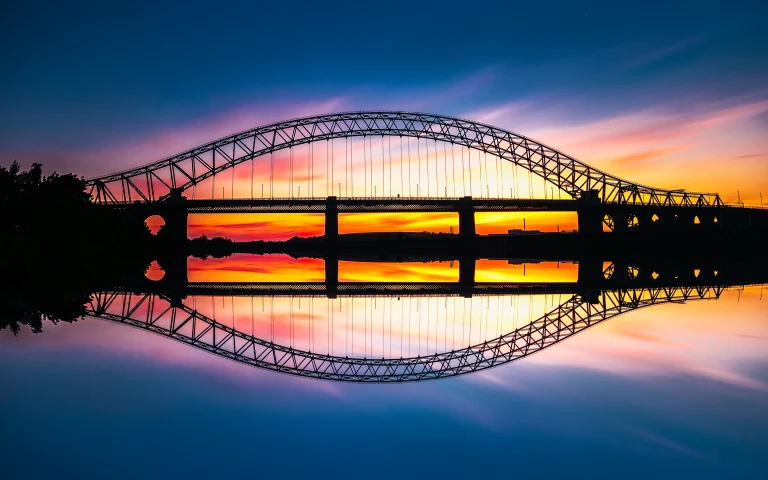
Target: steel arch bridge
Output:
[(183, 323), (156, 181)]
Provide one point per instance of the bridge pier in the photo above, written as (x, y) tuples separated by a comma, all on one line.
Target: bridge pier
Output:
[(331, 221), (590, 272), (467, 229), (589, 215), (331, 273), (172, 239), (331, 246), (467, 273)]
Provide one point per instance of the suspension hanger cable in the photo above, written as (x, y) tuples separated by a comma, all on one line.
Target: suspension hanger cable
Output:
[(365, 170), (310, 169), (426, 146), (514, 180), (485, 162), (327, 175), (445, 167), (346, 174), (530, 185), (408, 139), (418, 158), (290, 180), (453, 168), (383, 180), (499, 178), (370, 157), (389, 161), (469, 155), (437, 172), (463, 172), (402, 190)]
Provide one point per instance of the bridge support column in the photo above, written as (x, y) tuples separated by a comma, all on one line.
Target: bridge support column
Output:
[(331, 221), (172, 252), (467, 230), (590, 273), (331, 273), (331, 246), (590, 217), (467, 272)]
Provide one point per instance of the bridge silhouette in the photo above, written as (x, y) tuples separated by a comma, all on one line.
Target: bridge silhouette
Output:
[(610, 210), (169, 187), (158, 314), (454, 178), (622, 287), (447, 171)]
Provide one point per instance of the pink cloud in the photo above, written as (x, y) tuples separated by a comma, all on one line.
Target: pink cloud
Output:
[(672, 340), (121, 155), (656, 145)]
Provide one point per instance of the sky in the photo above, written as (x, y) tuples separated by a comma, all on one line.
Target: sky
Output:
[(670, 94)]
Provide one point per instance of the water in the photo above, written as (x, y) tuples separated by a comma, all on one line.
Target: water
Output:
[(669, 390)]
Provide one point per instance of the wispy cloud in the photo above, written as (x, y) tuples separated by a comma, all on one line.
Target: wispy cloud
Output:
[(671, 341), (653, 144), (637, 159), (662, 52)]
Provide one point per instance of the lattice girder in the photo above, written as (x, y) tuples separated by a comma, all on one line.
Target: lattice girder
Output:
[(155, 313), (153, 182)]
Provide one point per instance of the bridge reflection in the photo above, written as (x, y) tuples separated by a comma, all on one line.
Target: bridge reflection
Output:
[(635, 246), (587, 274), (369, 340)]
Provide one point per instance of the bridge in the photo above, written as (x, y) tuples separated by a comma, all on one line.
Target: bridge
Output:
[(592, 276), (448, 169), (184, 323)]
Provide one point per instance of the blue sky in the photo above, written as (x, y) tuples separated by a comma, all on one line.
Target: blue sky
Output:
[(97, 87), (658, 91)]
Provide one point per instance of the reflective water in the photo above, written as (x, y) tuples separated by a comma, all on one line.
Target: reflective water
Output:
[(674, 389), (283, 268)]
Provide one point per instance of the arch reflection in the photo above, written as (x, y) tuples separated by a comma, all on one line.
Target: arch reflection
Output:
[(230, 338)]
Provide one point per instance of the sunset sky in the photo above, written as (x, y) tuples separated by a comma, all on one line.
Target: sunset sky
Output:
[(672, 96)]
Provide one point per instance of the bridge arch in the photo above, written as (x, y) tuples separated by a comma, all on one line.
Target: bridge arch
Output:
[(181, 172), (183, 323)]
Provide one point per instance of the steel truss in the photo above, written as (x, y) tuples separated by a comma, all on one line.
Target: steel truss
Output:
[(377, 205), (155, 313), (153, 182)]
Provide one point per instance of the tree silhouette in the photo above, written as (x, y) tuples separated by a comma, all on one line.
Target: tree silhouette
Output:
[(58, 247)]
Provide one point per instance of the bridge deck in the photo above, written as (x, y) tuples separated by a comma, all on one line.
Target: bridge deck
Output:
[(375, 288), (375, 204), (414, 289)]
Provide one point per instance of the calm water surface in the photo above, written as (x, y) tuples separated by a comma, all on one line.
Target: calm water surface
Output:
[(669, 391)]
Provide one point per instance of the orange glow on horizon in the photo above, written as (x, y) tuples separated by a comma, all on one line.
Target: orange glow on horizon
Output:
[(242, 227), (282, 226), (398, 222), (256, 268), (284, 268), (544, 272), (501, 222)]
